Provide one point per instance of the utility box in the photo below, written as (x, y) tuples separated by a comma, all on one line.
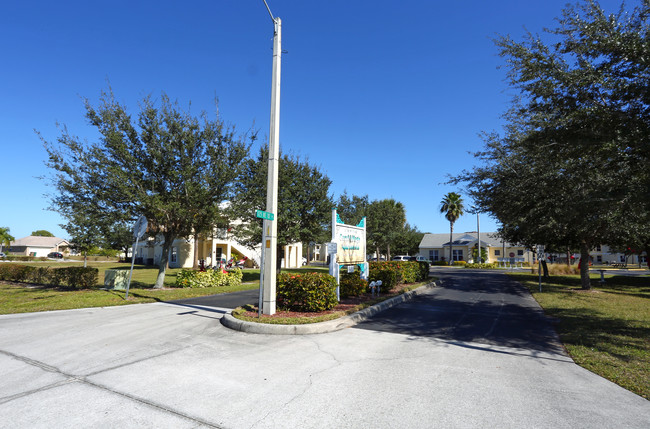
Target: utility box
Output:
[(116, 279)]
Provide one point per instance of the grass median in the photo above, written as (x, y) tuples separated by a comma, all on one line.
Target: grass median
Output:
[(26, 298), (605, 330)]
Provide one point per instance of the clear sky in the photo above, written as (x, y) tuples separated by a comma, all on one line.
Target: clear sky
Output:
[(388, 98)]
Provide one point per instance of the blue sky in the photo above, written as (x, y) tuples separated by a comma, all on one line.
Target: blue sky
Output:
[(388, 98)]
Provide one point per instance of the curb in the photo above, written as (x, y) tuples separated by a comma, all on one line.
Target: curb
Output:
[(229, 321)]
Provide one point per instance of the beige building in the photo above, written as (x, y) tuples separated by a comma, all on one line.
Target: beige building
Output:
[(219, 247), (38, 246), (435, 247)]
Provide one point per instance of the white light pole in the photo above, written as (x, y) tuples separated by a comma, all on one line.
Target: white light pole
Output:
[(269, 246)]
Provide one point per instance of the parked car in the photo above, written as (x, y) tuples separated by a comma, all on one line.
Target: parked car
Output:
[(2, 254), (401, 258), (421, 259), (55, 255)]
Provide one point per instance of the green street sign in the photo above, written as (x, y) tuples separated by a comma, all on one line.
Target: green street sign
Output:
[(264, 215)]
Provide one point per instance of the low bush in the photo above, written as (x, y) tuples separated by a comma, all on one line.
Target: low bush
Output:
[(440, 263), (76, 277), (460, 263), (393, 273), (209, 278), (351, 284), (306, 292)]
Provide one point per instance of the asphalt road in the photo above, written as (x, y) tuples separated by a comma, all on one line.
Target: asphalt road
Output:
[(475, 353), (473, 306)]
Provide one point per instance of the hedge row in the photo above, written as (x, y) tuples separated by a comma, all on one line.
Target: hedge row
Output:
[(306, 292), (76, 277), (393, 273), (209, 278)]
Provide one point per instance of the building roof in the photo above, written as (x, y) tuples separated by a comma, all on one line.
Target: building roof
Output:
[(36, 241), (488, 239)]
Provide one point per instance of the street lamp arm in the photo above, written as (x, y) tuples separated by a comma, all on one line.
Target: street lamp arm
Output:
[(269, 9)]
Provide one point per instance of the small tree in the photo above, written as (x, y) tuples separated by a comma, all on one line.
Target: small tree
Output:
[(5, 237), (42, 233)]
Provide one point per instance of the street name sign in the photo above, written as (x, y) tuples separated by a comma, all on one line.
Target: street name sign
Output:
[(264, 215)]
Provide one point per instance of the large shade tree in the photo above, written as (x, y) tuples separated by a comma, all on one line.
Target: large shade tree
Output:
[(571, 169), (166, 164), (452, 206), (385, 221)]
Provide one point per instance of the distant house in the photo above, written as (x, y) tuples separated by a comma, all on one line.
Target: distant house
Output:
[(38, 246), (435, 247)]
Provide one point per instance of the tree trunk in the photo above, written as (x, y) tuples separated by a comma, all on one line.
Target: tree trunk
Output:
[(85, 258), (278, 261), (584, 266), (545, 268), (568, 258), (164, 259), (451, 240), (195, 263), (388, 252)]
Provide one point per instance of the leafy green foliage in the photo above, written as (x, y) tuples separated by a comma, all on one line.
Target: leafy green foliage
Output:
[(168, 165), (452, 205), (209, 278), (42, 233), (393, 273), (5, 237), (74, 277), (304, 203), (385, 222), (351, 284), (571, 170), (306, 292)]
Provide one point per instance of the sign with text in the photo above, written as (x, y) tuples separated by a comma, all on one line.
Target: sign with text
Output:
[(351, 244), (264, 215)]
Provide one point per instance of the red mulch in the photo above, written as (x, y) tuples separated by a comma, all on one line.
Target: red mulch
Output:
[(344, 305)]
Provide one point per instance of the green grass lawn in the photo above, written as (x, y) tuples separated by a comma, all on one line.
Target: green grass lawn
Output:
[(606, 330), (25, 299)]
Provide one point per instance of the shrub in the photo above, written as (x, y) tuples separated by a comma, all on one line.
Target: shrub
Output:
[(351, 284), (209, 278), (387, 272), (71, 276), (460, 263), (79, 277), (306, 292), (439, 263), (423, 273)]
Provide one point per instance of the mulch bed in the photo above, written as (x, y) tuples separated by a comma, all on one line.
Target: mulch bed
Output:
[(344, 305)]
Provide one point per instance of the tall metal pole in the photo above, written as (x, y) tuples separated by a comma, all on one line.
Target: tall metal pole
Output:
[(478, 229), (269, 246)]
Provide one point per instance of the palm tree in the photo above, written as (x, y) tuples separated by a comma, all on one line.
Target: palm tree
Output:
[(5, 237), (452, 206)]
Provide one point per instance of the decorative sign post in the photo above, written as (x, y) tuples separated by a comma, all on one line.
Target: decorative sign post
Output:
[(350, 242), (269, 217), (139, 228), (540, 255)]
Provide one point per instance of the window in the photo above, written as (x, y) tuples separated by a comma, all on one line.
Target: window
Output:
[(433, 255), (599, 259), (621, 258), (457, 254), (598, 248), (497, 252), (520, 253), (174, 256)]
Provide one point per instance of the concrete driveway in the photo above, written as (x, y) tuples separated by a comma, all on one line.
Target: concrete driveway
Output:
[(170, 365)]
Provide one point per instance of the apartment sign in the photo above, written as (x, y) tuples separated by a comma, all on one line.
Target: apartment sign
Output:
[(350, 242)]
